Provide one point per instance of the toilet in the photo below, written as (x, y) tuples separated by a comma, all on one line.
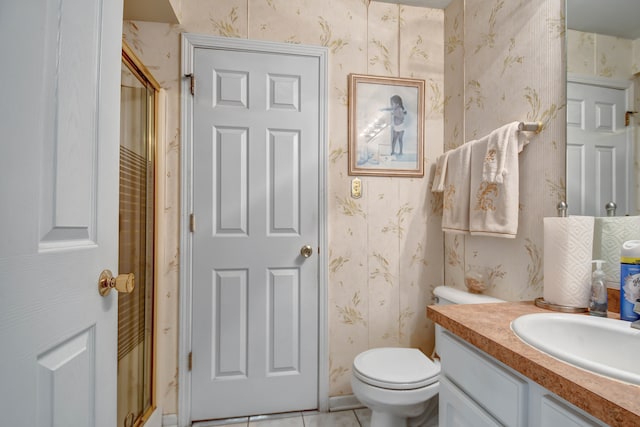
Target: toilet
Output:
[(400, 385)]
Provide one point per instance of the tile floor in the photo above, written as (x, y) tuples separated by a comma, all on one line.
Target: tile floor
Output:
[(351, 418)]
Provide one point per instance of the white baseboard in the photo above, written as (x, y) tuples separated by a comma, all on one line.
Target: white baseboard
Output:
[(170, 420), (342, 403)]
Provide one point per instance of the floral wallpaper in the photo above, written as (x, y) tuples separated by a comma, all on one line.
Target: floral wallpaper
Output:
[(385, 249), (485, 63), (590, 54), (502, 63)]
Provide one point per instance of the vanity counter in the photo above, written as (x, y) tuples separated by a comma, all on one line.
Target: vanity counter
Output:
[(487, 327)]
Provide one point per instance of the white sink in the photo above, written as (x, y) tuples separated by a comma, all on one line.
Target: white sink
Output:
[(605, 346)]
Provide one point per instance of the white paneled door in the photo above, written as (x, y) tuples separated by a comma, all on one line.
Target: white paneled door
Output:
[(256, 139), (60, 85), (599, 150)]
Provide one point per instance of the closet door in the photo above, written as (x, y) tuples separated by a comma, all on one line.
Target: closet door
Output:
[(256, 148), (599, 150)]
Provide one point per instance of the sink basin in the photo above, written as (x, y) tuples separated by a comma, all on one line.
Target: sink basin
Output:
[(601, 345)]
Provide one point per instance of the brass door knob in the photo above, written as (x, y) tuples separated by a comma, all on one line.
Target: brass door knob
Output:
[(306, 251), (123, 283)]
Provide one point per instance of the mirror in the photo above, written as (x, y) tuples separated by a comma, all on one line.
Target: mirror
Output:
[(603, 59)]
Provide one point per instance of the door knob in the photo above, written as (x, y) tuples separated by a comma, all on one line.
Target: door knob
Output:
[(123, 283), (306, 251)]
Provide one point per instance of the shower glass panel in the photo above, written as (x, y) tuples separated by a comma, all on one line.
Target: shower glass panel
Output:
[(136, 246)]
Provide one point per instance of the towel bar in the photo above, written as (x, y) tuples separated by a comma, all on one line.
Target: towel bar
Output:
[(530, 126)]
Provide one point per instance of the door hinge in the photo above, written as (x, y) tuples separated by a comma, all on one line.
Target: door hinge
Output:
[(193, 82), (190, 360), (627, 116), (192, 223)]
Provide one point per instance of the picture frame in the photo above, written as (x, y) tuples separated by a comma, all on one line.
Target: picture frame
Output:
[(386, 126)]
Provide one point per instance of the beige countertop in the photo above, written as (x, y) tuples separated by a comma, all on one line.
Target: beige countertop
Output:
[(487, 327)]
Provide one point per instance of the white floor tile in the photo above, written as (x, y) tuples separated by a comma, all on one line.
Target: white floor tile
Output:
[(234, 422), (364, 416), (332, 419), (348, 418), (288, 421)]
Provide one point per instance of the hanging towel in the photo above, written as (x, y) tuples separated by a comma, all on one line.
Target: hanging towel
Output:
[(494, 205), (501, 157), (441, 172), (455, 213)]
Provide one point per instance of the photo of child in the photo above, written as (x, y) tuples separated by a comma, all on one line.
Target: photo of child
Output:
[(398, 126), (386, 126)]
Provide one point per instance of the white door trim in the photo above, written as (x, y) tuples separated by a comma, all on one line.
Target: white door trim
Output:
[(189, 43)]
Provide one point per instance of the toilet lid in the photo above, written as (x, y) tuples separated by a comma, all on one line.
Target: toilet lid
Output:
[(395, 368)]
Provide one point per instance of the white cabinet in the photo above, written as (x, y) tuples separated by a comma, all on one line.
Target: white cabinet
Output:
[(556, 412), (478, 390), (456, 409), (501, 393)]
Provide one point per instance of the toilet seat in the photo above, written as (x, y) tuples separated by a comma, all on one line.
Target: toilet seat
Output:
[(395, 368)]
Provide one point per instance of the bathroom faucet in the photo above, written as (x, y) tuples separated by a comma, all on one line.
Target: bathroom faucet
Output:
[(636, 309)]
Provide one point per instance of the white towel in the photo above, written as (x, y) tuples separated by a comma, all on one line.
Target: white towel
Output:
[(441, 172), (494, 205), (503, 146), (455, 213)]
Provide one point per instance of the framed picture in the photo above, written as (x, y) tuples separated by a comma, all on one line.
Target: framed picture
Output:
[(386, 125)]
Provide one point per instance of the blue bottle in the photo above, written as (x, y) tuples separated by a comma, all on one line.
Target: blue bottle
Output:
[(629, 279)]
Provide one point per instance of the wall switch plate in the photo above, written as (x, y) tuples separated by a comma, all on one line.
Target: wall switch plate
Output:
[(356, 188)]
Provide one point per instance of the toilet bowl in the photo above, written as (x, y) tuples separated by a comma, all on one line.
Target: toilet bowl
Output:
[(400, 385), (395, 383)]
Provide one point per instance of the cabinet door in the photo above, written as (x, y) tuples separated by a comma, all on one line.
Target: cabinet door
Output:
[(494, 387), (554, 412), (458, 410)]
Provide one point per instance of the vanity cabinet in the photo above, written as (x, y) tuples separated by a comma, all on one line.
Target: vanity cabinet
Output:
[(457, 409), (478, 390)]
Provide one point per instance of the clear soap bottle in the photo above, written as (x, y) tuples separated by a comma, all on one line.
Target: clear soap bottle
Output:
[(598, 302)]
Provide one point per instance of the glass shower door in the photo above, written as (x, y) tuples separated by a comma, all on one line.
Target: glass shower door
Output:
[(136, 246)]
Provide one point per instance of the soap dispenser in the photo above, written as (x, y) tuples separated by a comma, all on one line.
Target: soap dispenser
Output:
[(598, 302)]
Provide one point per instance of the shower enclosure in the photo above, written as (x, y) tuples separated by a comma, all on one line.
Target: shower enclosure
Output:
[(136, 312)]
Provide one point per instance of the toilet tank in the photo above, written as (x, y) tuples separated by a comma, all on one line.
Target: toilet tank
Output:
[(447, 295)]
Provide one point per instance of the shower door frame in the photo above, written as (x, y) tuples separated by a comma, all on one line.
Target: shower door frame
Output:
[(138, 69)]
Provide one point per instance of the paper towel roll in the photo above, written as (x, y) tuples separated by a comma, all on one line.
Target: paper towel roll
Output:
[(608, 235), (568, 244)]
